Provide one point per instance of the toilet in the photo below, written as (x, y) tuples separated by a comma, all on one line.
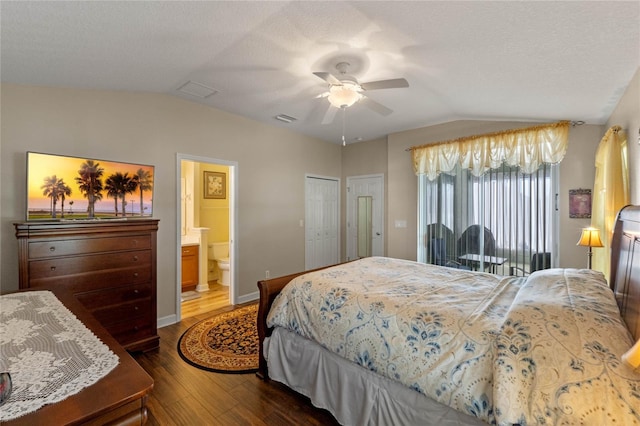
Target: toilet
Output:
[(219, 253)]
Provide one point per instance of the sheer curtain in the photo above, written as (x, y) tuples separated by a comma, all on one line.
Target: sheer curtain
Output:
[(517, 210), (492, 195), (516, 207), (610, 191)]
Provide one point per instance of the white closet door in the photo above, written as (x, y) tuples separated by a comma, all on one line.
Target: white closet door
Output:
[(321, 222), (371, 186)]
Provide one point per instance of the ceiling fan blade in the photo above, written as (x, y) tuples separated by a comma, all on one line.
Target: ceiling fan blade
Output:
[(328, 77), (329, 115), (375, 106), (385, 84)]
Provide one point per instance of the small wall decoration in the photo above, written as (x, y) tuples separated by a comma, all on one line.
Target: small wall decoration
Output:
[(215, 185), (580, 203)]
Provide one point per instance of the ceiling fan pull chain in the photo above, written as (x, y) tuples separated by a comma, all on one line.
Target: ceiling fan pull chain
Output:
[(344, 120)]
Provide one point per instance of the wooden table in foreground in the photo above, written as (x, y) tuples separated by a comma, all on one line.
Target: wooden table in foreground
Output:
[(119, 398)]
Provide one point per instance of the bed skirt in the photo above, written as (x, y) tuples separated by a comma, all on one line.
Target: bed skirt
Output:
[(354, 395)]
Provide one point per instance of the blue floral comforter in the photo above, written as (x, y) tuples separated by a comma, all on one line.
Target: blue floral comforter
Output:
[(540, 350)]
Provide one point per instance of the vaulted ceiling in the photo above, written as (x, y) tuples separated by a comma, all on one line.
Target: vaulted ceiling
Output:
[(473, 60)]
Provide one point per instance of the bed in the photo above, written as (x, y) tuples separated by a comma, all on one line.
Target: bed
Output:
[(388, 341)]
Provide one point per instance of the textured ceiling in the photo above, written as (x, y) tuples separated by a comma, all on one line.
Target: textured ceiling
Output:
[(474, 60)]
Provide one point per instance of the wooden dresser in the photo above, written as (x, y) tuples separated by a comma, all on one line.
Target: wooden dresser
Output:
[(109, 265)]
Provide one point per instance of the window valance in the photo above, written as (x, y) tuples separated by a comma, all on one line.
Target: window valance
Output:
[(526, 148)]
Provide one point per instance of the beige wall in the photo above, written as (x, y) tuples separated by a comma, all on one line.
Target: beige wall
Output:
[(576, 171), (152, 129), (365, 158), (627, 115)]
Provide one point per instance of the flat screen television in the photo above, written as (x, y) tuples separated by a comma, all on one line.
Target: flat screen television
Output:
[(61, 187)]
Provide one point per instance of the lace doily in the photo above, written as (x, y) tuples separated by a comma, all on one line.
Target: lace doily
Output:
[(50, 354)]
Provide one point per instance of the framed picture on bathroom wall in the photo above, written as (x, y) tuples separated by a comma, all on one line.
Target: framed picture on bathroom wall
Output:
[(215, 185)]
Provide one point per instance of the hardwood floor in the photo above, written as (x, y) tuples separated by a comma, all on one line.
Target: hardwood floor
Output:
[(186, 395), (217, 297)]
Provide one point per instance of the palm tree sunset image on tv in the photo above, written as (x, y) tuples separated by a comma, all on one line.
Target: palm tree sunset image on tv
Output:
[(64, 187)]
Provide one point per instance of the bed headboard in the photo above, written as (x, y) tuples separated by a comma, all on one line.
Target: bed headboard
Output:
[(625, 266)]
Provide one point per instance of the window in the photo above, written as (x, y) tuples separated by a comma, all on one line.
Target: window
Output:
[(508, 216)]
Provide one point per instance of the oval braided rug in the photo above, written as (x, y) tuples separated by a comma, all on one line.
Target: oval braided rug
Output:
[(224, 343)]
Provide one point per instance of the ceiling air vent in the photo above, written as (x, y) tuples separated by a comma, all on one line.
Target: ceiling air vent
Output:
[(285, 118), (196, 89)]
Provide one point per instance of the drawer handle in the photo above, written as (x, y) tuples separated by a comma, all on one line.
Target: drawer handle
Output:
[(135, 258), (135, 274), (135, 308), (136, 291), (52, 248), (187, 251), (53, 268), (136, 328)]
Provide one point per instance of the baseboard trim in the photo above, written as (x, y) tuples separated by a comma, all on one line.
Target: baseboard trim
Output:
[(249, 297), (168, 320)]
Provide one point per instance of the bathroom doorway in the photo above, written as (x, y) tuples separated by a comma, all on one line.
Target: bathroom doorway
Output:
[(206, 233)]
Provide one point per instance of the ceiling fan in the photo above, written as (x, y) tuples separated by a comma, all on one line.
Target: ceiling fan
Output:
[(344, 91)]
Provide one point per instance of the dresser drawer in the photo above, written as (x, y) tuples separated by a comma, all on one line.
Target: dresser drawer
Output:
[(132, 330), (88, 281), (51, 268), (114, 314), (94, 300), (55, 248)]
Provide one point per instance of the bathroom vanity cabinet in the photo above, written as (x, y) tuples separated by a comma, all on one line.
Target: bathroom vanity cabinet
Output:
[(190, 265), (109, 265)]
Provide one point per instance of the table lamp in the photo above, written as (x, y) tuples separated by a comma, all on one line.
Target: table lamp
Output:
[(632, 356), (590, 238)]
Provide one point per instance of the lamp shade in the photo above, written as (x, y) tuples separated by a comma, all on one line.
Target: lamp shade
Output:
[(344, 95), (632, 356), (590, 238)]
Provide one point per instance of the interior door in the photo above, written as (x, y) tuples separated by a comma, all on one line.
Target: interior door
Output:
[(321, 222), (365, 186)]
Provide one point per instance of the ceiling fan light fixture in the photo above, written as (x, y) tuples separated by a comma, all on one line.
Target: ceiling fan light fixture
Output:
[(345, 95)]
